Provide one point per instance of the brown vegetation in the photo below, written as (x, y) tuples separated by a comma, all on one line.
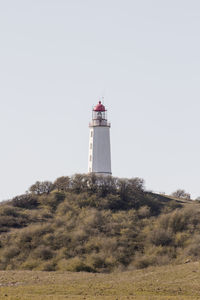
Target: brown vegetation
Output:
[(96, 224)]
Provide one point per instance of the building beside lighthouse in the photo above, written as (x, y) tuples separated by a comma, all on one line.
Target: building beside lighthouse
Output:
[(99, 142)]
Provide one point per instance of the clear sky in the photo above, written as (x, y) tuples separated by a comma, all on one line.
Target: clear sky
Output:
[(57, 57)]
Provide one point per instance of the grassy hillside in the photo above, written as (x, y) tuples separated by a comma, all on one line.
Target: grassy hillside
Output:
[(179, 282), (96, 224)]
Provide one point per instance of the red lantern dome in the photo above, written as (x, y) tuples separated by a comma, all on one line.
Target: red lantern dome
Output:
[(99, 107)]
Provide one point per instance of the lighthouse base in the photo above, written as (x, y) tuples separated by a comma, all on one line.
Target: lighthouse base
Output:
[(101, 173)]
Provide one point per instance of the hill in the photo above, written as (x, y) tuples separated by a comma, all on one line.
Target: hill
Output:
[(96, 224)]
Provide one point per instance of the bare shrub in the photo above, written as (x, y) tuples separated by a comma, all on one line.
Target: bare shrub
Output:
[(144, 212), (193, 248), (75, 264), (97, 261), (41, 187), (181, 194), (43, 253), (27, 201), (62, 183), (10, 252), (32, 236), (144, 261), (180, 219), (30, 264), (161, 237), (49, 267), (52, 200), (8, 210)]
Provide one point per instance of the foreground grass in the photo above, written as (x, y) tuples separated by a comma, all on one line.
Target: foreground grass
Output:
[(155, 283)]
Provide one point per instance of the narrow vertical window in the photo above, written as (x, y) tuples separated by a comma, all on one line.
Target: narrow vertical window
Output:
[(90, 157), (91, 134), (90, 145)]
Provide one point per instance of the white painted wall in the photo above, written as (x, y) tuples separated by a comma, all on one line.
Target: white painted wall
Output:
[(99, 150)]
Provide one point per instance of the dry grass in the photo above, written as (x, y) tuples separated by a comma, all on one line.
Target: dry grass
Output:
[(181, 282)]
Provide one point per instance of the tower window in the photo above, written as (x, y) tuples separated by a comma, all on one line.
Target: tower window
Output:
[(91, 134), (90, 157), (90, 145)]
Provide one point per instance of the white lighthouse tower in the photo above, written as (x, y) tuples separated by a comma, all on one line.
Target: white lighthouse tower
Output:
[(99, 142)]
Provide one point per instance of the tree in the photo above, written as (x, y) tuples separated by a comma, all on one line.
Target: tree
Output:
[(62, 183), (181, 194), (131, 191), (92, 183), (79, 183), (106, 185), (41, 187)]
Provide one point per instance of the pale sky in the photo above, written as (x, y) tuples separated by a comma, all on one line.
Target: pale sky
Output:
[(57, 57)]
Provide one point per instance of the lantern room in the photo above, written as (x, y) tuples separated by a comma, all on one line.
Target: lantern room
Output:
[(99, 112), (99, 116)]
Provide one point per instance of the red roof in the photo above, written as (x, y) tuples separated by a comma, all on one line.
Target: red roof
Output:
[(99, 107)]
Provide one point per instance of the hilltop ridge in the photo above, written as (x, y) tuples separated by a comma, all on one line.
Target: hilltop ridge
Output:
[(96, 224)]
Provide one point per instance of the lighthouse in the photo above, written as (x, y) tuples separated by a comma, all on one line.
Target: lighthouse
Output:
[(99, 142)]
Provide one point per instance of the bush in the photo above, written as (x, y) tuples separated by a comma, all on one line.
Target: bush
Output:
[(30, 264), (97, 261), (144, 212), (145, 261), (39, 188), (62, 183), (52, 200), (25, 201), (11, 222), (161, 237), (31, 237), (74, 265), (43, 253), (10, 252), (193, 248), (9, 211), (181, 194), (49, 267)]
